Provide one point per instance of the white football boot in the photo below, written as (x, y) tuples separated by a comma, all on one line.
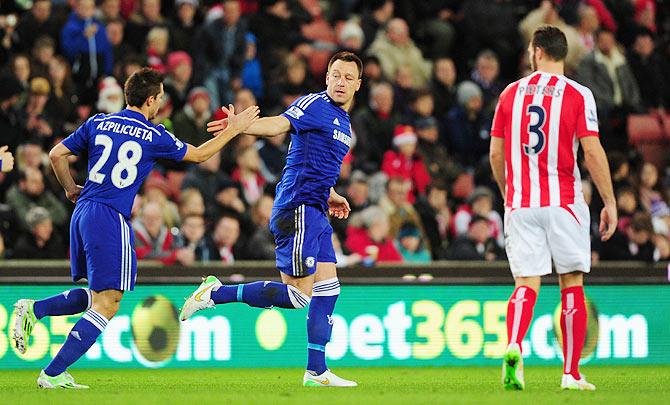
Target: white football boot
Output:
[(327, 379), (200, 299), (568, 382)]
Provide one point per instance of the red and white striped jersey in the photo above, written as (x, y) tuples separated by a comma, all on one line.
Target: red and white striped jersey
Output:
[(541, 118)]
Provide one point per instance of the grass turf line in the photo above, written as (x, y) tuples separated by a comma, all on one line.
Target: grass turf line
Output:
[(407, 386)]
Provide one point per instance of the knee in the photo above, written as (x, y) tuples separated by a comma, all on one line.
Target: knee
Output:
[(107, 306), (298, 298)]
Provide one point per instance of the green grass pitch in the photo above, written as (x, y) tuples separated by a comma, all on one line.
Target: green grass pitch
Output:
[(407, 386)]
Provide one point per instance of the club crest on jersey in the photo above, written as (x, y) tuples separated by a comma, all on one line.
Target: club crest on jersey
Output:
[(310, 262), (295, 112)]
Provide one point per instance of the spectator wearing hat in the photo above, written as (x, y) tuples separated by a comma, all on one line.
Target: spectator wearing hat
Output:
[(351, 37), (468, 130), (439, 163), (154, 241), (477, 243), (252, 73), (410, 245), (177, 83), (368, 236), (30, 192), (110, 96), (84, 42), (480, 202), (405, 163), (11, 126), (220, 54), (374, 126), (41, 242), (184, 25), (190, 124)]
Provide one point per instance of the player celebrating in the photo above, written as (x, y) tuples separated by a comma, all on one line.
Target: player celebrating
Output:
[(122, 150), (539, 123), (320, 137)]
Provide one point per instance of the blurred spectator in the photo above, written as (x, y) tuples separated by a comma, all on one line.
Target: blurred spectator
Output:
[(397, 206), (261, 245), (485, 74), (411, 246), (157, 190), (395, 48), (147, 16), (649, 71), (20, 68), (443, 86), (252, 74), (154, 241), (374, 126), (372, 74), (191, 203), (220, 54), (178, 80), (371, 240), (41, 117), (41, 242), (229, 201), (433, 27), (435, 215), (437, 159), (190, 124), (351, 37), (110, 96), (35, 24), (10, 124), (479, 203), (272, 152), (650, 190), (468, 130), (184, 26), (115, 31), (84, 42), (634, 243), (375, 16), (405, 163), (403, 91), (547, 13), (248, 174), (608, 75), (477, 243), (157, 42), (358, 196), (422, 105), (192, 237), (208, 180), (295, 82), (627, 205), (343, 259), (226, 236), (30, 192), (43, 51), (587, 27), (108, 10)]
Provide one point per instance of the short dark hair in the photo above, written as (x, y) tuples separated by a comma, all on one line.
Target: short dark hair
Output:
[(141, 85), (552, 41), (347, 56)]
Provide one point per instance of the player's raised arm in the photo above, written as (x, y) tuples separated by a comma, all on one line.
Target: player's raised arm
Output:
[(234, 125), (595, 161), (58, 156), (264, 127)]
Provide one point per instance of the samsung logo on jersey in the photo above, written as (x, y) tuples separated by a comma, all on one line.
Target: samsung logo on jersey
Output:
[(295, 112), (342, 137), (125, 129), (533, 89)]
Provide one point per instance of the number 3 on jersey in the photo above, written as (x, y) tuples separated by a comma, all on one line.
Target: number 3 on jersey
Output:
[(535, 127), (129, 155)]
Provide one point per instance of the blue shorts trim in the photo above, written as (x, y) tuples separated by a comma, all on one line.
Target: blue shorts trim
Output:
[(102, 248), (303, 237)]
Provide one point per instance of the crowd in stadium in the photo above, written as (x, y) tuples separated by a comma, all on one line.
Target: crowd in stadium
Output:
[(417, 178)]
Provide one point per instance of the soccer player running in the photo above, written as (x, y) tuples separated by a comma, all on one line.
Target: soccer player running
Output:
[(539, 124), (122, 149), (320, 137)]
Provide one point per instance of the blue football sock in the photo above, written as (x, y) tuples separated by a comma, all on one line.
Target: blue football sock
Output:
[(81, 338), (261, 294), (66, 303), (320, 322)]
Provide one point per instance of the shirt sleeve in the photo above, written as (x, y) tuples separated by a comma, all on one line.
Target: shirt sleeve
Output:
[(500, 117), (304, 114), (587, 117), (77, 142), (169, 147)]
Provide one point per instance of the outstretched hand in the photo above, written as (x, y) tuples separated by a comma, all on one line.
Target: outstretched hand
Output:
[(239, 122)]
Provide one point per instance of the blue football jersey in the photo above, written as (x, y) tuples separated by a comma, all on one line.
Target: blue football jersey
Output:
[(122, 149), (320, 138)]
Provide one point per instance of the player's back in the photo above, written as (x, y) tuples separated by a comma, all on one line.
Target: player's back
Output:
[(122, 149), (541, 117)]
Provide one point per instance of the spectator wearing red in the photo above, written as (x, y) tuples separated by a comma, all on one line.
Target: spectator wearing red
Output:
[(153, 240), (405, 162), (248, 174), (369, 237)]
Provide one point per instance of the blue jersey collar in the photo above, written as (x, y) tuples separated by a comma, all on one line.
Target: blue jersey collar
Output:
[(135, 114)]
